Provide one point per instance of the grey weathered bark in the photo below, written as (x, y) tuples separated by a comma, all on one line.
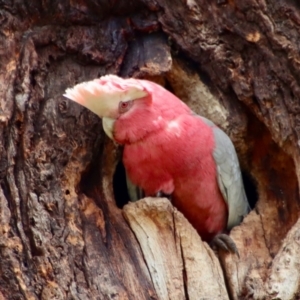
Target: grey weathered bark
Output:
[(63, 235)]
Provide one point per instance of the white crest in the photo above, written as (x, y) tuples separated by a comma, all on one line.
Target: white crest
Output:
[(102, 96)]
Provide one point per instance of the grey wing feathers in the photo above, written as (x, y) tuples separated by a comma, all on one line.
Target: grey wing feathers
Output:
[(229, 176)]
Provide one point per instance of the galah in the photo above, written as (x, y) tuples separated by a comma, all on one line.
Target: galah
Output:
[(171, 150)]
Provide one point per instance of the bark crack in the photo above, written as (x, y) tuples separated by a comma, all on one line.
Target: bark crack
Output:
[(141, 249), (264, 234), (184, 271), (15, 197), (227, 285)]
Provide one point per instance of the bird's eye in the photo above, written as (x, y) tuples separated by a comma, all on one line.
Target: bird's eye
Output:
[(124, 106)]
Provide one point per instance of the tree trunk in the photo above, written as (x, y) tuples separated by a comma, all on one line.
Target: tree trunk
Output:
[(65, 232)]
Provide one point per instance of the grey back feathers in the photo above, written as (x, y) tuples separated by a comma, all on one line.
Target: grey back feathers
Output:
[(229, 176)]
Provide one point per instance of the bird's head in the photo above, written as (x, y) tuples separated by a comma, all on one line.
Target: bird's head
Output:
[(130, 108)]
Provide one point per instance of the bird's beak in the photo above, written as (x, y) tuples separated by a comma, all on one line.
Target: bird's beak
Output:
[(108, 126), (102, 96)]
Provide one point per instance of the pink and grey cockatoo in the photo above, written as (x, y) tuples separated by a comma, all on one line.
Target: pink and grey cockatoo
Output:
[(169, 149)]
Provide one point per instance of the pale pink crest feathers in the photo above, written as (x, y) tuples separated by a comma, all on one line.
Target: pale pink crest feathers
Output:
[(102, 96)]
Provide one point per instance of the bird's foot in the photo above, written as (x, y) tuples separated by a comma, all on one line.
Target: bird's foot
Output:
[(224, 242), (161, 194)]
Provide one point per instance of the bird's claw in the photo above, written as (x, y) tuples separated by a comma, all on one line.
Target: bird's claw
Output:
[(224, 242), (159, 194)]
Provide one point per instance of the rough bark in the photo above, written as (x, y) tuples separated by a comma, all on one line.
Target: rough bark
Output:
[(183, 258), (63, 232)]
